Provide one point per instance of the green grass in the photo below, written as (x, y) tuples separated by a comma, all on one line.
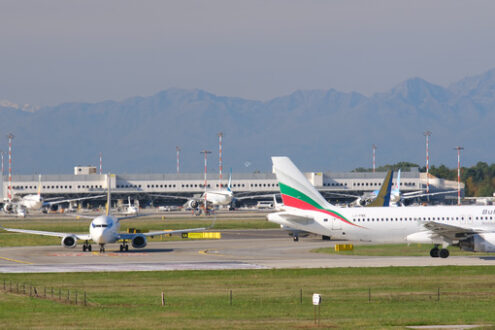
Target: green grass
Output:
[(71, 225), (262, 299), (395, 250)]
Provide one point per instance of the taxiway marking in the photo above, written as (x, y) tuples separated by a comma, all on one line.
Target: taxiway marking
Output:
[(18, 261)]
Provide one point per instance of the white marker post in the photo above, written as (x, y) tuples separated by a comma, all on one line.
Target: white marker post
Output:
[(317, 302)]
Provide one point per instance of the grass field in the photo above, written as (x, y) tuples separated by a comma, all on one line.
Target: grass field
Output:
[(261, 299), (396, 250), (82, 226)]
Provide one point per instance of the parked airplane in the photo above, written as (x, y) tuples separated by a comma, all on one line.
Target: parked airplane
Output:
[(104, 229), (21, 206), (131, 209), (471, 228)]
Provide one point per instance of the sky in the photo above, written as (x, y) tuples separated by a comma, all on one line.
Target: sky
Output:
[(89, 51)]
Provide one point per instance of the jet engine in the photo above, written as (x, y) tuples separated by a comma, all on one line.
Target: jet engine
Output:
[(8, 208), (479, 243), (69, 241), (193, 204), (139, 242)]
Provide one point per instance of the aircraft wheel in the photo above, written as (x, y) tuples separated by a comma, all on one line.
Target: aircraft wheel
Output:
[(434, 252), (84, 248), (121, 248), (444, 253), (295, 238), (89, 248), (126, 248)]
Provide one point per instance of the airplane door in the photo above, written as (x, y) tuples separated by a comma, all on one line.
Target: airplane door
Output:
[(336, 224)]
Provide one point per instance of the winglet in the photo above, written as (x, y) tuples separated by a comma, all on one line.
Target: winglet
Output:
[(383, 198)]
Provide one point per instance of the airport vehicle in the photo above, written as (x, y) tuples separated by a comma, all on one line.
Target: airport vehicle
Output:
[(104, 229), (471, 228)]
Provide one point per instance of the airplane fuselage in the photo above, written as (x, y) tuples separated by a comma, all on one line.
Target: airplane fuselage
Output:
[(384, 224), (104, 229), (218, 197)]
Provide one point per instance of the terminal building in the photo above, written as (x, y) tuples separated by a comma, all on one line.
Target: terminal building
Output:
[(162, 189)]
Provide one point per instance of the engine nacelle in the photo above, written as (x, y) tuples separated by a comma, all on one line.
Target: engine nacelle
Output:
[(69, 241), (193, 204), (139, 242), (424, 237), (8, 208), (479, 243)]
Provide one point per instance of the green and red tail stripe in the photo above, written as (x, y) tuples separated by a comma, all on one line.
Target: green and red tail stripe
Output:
[(304, 202)]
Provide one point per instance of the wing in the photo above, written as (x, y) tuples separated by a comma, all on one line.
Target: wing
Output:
[(451, 232), (71, 200), (162, 232), (420, 194), (47, 233)]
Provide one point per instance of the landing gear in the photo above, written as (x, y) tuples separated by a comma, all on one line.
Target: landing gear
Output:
[(444, 253), (295, 237), (436, 252), (102, 248), (124, 247), (86, 247)]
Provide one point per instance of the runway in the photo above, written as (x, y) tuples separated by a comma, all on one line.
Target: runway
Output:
[(241, 249)]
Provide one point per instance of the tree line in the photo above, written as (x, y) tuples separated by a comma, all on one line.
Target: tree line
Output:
[(479, 179)]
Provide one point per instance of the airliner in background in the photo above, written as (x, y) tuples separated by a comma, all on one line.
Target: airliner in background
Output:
[(471, 228), (104, 229), (34, 202)]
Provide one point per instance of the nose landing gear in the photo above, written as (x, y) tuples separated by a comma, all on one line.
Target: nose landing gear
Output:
[(124, 247), (86, 247)]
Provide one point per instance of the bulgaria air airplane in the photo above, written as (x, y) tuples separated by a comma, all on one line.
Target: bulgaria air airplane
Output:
[(104, 229), (472, 228)]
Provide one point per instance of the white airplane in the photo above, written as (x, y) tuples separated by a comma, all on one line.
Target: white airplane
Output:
[(223, 196), (131, 208), (104, 229), (21, 206), (471, 228)]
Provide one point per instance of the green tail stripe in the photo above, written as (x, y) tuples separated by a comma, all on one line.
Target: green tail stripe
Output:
[(286, 190)]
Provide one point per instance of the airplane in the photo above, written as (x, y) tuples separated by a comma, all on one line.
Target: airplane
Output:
[(131, 209), (104, 229), (21, 206), (471, 228), (382, 199), (216, 197)]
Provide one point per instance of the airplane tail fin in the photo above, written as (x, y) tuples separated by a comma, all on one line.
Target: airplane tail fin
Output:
[(229, 185), (398, 180), (383, 198), (295, 189), (109, 197), (39, 185)]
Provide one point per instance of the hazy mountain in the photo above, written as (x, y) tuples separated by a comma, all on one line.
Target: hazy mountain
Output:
[(319, 129)]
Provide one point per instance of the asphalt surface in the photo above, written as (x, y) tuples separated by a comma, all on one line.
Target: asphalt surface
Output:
[(238, 249)]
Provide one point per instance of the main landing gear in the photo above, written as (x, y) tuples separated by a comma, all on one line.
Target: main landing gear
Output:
[(86, 247), (102, 248), (124, 247), (436, 252)]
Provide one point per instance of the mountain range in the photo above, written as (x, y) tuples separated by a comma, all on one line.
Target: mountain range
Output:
[(318, 129)]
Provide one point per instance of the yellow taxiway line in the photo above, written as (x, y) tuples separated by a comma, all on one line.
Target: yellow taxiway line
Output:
[(19, 261)]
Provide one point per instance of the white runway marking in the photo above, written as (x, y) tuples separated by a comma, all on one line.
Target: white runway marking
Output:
[(134, 267)]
